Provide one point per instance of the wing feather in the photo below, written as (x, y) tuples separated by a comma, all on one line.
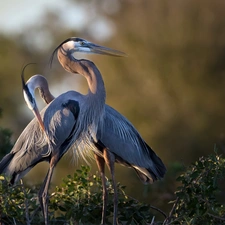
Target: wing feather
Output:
[(121, 137)]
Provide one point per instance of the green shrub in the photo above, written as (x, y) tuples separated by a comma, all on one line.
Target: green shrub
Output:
[(197, 197), (18, 205), (79, 199)]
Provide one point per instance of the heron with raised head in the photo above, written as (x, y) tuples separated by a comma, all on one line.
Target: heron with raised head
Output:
[(71, 118), (117, 139)]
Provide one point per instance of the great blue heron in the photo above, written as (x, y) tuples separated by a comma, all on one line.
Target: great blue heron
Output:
[(70, 118), (124, 144)]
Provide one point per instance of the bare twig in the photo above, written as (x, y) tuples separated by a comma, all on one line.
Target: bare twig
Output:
[(26, 203), (34, 213), (216, 217), (152, 222), (158, 210), (167, 220), (152, 207), (14, 221)]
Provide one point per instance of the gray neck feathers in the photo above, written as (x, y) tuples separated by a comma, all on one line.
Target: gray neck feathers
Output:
[(95, 99)]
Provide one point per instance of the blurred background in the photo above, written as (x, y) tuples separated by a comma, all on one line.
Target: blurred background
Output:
[(171, 85)]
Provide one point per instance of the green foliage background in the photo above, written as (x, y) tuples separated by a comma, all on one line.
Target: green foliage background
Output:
[(171, 85), (79, 200)]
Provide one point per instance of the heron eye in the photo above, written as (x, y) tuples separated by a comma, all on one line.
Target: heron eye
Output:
[(82, 43)]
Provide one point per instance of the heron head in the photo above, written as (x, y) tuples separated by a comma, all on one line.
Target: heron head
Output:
[(28, 92), (74, 44), (29, 97)]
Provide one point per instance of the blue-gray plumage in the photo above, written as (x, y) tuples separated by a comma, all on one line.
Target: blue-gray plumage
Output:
[(71, 118), (116, 139), (124, 144), (121, 139), (120, 142), (124, 141)]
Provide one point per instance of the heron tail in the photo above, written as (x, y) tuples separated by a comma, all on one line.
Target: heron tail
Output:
[(156, 169), (5, 162), (147, 175)]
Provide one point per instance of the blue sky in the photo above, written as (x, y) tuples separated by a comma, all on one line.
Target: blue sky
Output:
[(17, 15)]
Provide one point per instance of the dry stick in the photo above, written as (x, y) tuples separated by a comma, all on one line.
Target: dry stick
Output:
[(34, 213), (152, 207), (14, 221), (159, 210), (152, 222), (27, 212), (167, 220), (26, 203), (216, 217)]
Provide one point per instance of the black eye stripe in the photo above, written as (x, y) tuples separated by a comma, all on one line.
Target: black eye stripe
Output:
[(29, 95)]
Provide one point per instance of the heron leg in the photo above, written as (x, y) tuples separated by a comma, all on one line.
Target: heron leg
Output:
[(110, 161), (43, 194), (101, 166)]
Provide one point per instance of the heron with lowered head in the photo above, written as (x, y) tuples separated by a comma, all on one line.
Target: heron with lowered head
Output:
[(73, 119)]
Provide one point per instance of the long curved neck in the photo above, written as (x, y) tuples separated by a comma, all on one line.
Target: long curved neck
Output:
[(38, 81), (85, 68), (46, 95)]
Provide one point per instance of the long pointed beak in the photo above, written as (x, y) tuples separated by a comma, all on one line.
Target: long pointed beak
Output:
[(97, 49), (38, 116)]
